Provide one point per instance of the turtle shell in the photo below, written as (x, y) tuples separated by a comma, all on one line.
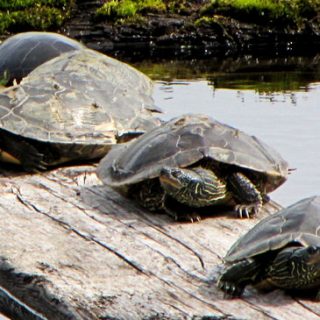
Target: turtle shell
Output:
[(298, 223), (182, 142), (23, 52), (81, 98)]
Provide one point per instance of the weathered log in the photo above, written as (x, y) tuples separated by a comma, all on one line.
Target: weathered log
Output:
[(71, 248)]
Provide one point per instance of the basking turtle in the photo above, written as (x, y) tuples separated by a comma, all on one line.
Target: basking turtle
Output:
[(23, 52), (73, 107), (193, 162), (281, 251)]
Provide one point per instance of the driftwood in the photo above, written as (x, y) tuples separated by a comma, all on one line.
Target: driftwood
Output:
[(71, 248)]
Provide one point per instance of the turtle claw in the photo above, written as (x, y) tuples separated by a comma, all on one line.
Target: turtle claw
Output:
[(194, 218), (230, 288), (247, 211), (34, 162)]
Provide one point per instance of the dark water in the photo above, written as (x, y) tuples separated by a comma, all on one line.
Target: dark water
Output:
[(277, 99)]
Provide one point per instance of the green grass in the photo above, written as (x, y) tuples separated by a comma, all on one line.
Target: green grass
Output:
[(288, 12), (262, 11), (117, 9), (129, 8), (22, 15)]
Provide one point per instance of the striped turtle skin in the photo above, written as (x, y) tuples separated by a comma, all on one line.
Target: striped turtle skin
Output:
[(195, 162), (281, 251)]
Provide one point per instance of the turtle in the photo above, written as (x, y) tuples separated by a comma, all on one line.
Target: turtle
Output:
[(194, 162), (281, 251), (74, 107), (23, 52)]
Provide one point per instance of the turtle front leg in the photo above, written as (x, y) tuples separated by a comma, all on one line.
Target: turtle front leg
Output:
[(246, 193), (14, 149), (237, 277)]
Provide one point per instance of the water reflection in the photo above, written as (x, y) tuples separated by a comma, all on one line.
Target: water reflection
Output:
[(248, 72), (278, 103)]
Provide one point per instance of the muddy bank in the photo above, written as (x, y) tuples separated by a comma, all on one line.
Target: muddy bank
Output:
[(179, 35), (193, 29)]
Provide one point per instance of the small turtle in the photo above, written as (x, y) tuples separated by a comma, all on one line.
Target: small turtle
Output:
[(73, 107), (23, 52), (193, 162), (281, 251)]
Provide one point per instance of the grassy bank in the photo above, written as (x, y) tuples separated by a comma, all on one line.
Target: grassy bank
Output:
[(22, 15), (293, 12), (116, 9), (289, 12)]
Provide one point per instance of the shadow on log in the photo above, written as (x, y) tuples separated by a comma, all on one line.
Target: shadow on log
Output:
[(71, 248)]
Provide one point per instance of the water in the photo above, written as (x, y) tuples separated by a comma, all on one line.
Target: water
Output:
[(277, 102)]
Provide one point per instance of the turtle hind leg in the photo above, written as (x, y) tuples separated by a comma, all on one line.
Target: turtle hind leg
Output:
[(19, 151), (246, 193), (237, 277)]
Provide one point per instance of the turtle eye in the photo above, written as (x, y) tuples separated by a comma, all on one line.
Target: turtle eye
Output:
[(313, 249), (170, 173), (175, 173)]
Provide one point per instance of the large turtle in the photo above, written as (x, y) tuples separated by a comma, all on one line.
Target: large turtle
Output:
[(73, 107), (281, 251), (192, 162), (23, 52)]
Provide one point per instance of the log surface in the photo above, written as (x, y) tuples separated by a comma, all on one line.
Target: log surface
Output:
[(71, 248)]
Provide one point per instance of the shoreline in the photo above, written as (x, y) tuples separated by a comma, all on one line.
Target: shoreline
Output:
[(175, 35), (169, 34)]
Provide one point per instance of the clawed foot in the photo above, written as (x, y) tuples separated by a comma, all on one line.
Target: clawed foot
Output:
[(230, 288), (247, 210), (33, 161), (192, 217), (180, 212), (35, 165)]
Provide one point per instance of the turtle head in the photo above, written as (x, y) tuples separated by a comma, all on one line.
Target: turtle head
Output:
[(307, 264), (175, 180), (311, 256), (195, 187), (299, 269)]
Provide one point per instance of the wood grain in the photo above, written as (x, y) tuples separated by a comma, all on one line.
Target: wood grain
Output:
[(71, 248)]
